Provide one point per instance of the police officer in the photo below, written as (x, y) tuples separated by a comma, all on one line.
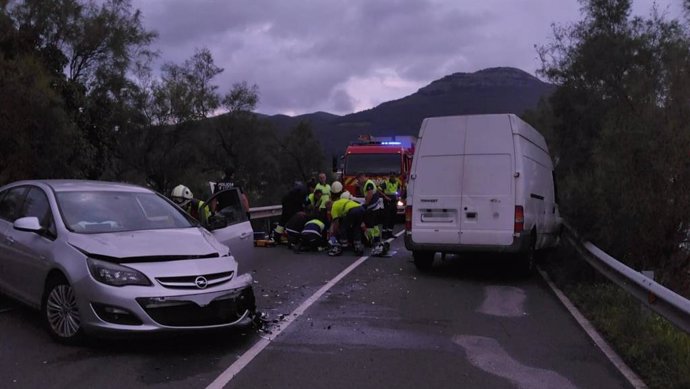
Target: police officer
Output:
[(229, 181)]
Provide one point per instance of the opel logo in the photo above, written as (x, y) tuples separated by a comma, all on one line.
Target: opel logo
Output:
[(201, 282)]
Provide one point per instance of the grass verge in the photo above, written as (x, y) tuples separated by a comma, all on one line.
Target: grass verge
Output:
[(653, 347)]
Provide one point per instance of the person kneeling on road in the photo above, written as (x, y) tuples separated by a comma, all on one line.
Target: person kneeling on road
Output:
[(313, 234), (347, 218), (294, 228)]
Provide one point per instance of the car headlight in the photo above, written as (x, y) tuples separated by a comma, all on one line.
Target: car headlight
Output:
[(115, 275)]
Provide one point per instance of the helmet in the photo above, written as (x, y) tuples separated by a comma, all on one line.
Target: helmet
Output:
[(346, 195), (181, 195), (336, 187)]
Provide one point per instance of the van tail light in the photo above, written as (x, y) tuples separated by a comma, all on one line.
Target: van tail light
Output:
[(408, 218), (519, 219)]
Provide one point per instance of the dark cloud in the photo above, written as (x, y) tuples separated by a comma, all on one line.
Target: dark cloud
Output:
[(342, 101), (343, 55)]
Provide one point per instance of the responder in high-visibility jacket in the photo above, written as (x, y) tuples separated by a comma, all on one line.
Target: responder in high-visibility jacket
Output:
[(313, 234), (183, 197), (346, 219), (316, 201), (373, 218), (391, 190), (323, 186)]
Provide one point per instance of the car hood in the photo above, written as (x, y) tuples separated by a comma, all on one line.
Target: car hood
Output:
[(158, 245)]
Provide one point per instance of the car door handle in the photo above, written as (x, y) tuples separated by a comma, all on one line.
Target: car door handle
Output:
[(10, 240), (245, 235)]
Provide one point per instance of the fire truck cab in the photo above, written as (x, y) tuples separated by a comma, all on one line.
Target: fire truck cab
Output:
[(378, 157)]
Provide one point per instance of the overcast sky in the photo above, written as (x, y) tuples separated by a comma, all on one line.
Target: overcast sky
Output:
[(343, 56)]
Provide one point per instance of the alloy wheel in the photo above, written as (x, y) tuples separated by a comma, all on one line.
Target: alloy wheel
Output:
[(62, 312)]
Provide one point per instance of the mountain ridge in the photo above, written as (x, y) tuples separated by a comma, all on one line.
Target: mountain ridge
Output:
[(490, 90)]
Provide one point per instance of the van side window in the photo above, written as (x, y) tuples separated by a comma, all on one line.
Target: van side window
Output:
[(11, 203)]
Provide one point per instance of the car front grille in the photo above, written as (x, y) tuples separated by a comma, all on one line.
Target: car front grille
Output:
[(202, 281), (223, 310)]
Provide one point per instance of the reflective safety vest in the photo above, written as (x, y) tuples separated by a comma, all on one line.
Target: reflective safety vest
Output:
[(314, 226), (325, 189), (368, 183), (194, 208), (341, 207), (376, 202), (312, 201), (391, 188)]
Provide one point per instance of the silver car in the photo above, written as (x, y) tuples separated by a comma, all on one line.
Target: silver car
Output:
[(107, 257)]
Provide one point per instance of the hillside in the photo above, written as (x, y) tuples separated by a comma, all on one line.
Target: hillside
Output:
[(493, 90)]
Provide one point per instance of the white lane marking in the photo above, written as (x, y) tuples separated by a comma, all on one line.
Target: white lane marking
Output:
[(505, 301), (616, 360), (487, 354), (250, 354)]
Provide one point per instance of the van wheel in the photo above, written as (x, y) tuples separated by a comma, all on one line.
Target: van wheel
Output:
[(424, 260), (60, 312)]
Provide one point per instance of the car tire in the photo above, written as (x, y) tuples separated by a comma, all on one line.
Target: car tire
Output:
[(424, 260), (60, 312)]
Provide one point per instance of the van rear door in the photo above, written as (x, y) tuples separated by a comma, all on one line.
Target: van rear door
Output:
[(437, 180), (488, 184)]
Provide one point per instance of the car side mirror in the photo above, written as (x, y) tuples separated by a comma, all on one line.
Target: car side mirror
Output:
[(216, 222), (28, 224)]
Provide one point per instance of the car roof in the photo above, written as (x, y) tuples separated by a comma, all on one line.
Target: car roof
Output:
[(86, 185)]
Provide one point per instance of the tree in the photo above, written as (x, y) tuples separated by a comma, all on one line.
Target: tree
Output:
[(89, 49), (621, 134), (185, 92), (301, 153)]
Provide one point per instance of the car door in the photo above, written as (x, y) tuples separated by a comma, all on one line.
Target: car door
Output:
[(229, 223), (11, 201), (31, 252)]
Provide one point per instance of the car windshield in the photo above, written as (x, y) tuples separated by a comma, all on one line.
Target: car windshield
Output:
[(372, 164), (105, 211)]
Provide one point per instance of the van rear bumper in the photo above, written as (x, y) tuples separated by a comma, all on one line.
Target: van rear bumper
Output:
[(520, 244)]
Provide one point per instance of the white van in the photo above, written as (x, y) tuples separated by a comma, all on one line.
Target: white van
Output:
[(480, 183)]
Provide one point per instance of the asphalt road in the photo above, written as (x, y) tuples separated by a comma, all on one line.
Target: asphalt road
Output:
[(469, 323)]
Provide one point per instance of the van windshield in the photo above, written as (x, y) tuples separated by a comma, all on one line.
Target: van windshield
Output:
[(372, 164)]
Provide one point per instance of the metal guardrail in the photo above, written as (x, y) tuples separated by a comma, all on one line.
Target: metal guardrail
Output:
[(655, 296), (262, 217), (264, 212)]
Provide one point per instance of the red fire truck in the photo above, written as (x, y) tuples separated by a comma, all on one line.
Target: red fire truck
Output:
[(378, 157)]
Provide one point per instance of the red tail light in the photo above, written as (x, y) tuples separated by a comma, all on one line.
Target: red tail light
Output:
[(408, 218), (519, 219)]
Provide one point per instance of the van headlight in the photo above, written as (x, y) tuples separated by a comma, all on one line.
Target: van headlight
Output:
[(114, 274)]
